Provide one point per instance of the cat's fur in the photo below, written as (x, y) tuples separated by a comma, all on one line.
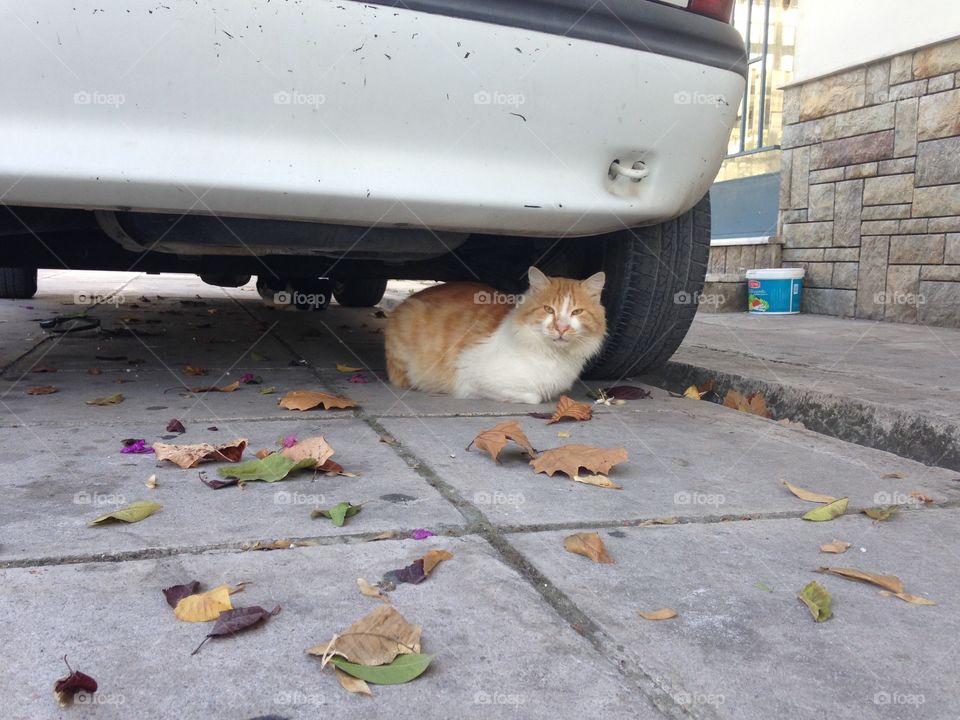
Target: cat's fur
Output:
[(461, 338)]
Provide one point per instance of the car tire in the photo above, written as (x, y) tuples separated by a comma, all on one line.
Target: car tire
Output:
[(654, 278), (359, 292), (16, 282)]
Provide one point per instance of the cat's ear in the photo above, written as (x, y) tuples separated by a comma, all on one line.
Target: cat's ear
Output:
[(594, 284), (538, 281)]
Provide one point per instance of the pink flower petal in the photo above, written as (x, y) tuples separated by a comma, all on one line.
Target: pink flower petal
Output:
[(420, 534)]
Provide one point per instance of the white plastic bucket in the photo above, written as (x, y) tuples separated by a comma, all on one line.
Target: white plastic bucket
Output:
[(774, 291)]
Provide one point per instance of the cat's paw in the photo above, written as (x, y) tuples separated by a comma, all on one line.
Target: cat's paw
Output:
[(529, 398)]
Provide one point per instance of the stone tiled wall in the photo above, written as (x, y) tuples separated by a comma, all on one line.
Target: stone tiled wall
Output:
[(870, 188)]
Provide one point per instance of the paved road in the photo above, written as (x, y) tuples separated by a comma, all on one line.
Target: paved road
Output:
[(519, 626)]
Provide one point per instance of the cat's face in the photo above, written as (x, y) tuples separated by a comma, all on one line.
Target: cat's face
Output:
[(566, 314)]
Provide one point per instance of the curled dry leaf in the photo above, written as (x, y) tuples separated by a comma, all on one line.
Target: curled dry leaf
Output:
[(175, 426), (418, 571), (134, 512), (44, 369), (596, 480), (917, 495), (205, 606), (817, 599), (827, 512), (754, 404), (881, 514), (188, 456), (837, 547), (808, 495), (41, 390), (237, 620), (152, 482), (370, 591), (887, 582), (568, 408), (589, 545), (213, 388), (568, 459), (376, 639), (191, 370), (315, 448), (106, 400), (893, 476), (915, 599), (496, 438), (351, 683), (664, 614), (309, 399), (348, 368), (65, 688)]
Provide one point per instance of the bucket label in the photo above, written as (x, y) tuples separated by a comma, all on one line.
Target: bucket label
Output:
[(774, 295), (757, 304), (753, 284)]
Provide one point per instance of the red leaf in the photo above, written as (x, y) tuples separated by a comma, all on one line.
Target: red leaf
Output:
[(66, 687), (233, 621), (628, 392), (176, 593), (176, 426)]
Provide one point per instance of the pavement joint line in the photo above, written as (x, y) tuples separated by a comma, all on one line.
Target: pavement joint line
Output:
[(630, 667)]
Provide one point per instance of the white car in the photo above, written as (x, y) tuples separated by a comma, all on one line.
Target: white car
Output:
[(347, 143)]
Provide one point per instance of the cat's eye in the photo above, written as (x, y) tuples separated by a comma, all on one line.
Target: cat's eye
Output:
[(548, 309), (577, 311)]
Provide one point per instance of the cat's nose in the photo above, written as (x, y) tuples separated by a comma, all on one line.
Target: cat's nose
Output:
[(561, 329)]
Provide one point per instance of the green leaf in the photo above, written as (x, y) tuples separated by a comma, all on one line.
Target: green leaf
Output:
[(275, 466), (828, 511), (338, 513), (404, 669), (134, 512), (763, 586), (268, 390), (817, 600), (881, 513)]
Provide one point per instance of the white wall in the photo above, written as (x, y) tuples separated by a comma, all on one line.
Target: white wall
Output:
[(836, 34)]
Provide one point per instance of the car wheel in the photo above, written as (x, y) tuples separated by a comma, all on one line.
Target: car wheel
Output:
[(654, 279), (18, 282), (359, 292)]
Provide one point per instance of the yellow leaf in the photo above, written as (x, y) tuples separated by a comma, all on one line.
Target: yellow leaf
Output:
[(589, 545), (837, 547), (370, 591), (349, 682), (827, 512), (881, 513), (692, 393), (664, 614), (807, 495), (205, 606), (347, 368), (563, 434), (817, 599)]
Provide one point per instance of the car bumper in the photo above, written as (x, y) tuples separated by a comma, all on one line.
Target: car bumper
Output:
[(351, 113)]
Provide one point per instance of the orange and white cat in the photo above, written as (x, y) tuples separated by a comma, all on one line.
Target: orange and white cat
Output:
[(470, 341)]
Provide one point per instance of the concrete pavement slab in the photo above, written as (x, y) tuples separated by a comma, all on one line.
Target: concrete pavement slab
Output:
[(736, 651), (499, 651)]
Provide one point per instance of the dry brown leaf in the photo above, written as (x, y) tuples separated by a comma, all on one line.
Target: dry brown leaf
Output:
[(434, 558), (152, 482), (567, 407), (568, 459), (808, 495), (370, 591), (315, 448), (41, 390), (188, 456), (93, 371), (887, 582), (205, 606), (496, 438), (282, 544), (376, 639), (893, 476), (213, 388), (836, 547), (915, 599), (663, 614), (692, 392), (787, 422), (309, 399), (658, 521), (755, 403), (916, 494), (349, 682), (388, 535), (191, 370), (43, 369), (261, 453), (597, 481), (589, 545), (332, 467)]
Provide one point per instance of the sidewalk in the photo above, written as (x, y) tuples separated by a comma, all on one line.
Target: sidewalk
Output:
[(884, 385)]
